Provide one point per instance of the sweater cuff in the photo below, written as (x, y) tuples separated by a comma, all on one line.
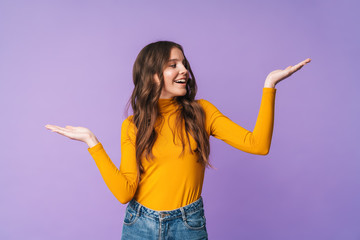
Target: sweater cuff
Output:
[(269, 90), (95, 148)]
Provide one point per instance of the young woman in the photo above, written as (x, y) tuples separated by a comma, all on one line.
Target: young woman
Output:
[(165, 145)]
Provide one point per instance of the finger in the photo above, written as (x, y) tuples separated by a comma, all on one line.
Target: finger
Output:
[(62, 131), (57, 128), (303, 62), (306, 60), (299, 65), (50, 127)]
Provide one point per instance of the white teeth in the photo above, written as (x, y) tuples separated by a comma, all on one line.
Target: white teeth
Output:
[(180, 81)]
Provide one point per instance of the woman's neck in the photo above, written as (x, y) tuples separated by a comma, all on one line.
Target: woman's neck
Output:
[(167, 105)]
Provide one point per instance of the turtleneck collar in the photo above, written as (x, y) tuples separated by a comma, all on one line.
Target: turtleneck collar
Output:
[(167, 105)]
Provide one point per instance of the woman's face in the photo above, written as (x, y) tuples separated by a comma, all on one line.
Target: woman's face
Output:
[(175, 75)]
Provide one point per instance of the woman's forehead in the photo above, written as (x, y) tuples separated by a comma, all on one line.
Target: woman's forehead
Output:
[(176, 55)]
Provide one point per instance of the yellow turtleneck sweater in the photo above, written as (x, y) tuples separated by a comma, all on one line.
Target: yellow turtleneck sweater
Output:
[(170, 181)]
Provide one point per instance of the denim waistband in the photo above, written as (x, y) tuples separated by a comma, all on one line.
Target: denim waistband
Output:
[(179, 212)]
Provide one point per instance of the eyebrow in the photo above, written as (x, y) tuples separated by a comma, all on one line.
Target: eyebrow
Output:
[(175, 59)]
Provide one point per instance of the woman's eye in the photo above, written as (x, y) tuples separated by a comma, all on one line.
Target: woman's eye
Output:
[(173, 65)]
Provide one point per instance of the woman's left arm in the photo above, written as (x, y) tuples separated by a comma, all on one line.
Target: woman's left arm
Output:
[(259, 140), (255, 142)]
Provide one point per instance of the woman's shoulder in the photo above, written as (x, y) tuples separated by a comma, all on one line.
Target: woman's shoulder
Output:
[(128, 122), (128, 128), (129, 119), (206, 105), (203, 102)]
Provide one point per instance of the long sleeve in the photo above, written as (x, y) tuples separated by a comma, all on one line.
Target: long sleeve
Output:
[(256, 142), (122, 183)]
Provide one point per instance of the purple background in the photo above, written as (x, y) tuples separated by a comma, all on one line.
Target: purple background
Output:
[(70, 63)]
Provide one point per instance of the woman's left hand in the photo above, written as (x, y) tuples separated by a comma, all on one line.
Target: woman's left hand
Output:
[(278, 75)]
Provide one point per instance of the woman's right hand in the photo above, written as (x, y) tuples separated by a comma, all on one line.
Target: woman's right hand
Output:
[(76, 133)]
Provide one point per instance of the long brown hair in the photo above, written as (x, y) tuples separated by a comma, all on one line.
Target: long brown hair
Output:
[(152, 60)]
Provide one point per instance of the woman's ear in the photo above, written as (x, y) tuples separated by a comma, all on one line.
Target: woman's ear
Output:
[(156, 78)]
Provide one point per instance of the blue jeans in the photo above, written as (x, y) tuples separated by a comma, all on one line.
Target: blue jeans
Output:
[(187, 222)]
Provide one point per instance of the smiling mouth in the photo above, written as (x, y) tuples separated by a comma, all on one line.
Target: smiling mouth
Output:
[(180, 81)]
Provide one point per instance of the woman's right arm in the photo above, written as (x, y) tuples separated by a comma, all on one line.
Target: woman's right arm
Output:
[(122, 182)]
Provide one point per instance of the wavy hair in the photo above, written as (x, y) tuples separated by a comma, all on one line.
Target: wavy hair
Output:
[(152, 60)]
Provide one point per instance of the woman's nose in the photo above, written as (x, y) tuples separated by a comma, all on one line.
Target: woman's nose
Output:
[(183, 70)]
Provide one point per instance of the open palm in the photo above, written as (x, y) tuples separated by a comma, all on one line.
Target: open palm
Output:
[(278, 75), (75, 133)]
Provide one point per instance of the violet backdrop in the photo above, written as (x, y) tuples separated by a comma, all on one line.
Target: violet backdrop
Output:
[(70, 63)]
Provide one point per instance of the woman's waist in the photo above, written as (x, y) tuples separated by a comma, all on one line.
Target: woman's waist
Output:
[(194, 206), (167, 198)]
